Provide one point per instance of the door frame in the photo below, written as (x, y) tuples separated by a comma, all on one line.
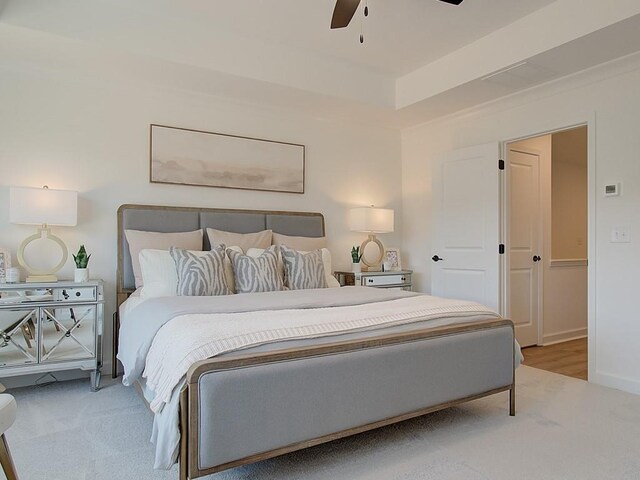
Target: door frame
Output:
[(507, 233), (592, 192)]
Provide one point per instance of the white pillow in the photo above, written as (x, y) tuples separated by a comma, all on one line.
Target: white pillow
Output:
[(139, 240), (332, 282), (160, 277)]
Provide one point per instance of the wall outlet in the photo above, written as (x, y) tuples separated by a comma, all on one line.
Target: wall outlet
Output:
[(621, 234)]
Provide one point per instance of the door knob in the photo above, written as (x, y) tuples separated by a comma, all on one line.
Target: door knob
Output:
[(436, 258), (537, 258)]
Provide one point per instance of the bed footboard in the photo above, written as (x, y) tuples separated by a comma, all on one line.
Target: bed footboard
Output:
[(249, 408)]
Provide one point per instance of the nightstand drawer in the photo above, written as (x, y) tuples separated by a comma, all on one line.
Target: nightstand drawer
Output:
[(75, 294), (384, 280), (13, 296)]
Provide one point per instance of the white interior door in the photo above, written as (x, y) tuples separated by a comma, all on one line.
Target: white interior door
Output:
[(524, 244), (465, 238)]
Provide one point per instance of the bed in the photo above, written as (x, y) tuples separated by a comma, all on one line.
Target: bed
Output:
[(269, 399)]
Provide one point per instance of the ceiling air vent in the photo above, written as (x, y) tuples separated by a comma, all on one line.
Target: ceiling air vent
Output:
[(520, 76)]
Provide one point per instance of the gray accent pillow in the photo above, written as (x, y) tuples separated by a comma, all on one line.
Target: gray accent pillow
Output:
[(259, 274), (303, 270), (200, 275)]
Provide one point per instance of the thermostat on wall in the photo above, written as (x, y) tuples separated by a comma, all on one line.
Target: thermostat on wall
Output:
[(612, 190)]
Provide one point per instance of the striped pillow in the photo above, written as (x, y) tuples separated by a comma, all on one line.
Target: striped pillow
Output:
[(200, 275), (303, 270), (259, 274)]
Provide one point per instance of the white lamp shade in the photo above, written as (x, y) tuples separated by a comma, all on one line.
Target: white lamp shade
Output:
[(371, 220), (43, 206)]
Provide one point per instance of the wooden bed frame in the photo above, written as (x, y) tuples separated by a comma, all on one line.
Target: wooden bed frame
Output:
[(190, 406)]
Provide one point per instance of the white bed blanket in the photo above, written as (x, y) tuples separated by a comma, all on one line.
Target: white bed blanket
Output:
[(189, 338)]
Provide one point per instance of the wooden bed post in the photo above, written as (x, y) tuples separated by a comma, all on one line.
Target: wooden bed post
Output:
[(114, 345), (512, 390), (183, 459), (512, 400)]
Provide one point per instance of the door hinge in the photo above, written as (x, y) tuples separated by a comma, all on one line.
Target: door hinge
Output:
[(501, 249), (500, 164)]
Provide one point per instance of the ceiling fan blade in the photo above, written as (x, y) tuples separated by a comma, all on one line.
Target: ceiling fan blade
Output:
[(452, 2), (343, 12)]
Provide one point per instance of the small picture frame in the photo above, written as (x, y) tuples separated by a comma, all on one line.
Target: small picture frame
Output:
[(5, 263), (393, 258)]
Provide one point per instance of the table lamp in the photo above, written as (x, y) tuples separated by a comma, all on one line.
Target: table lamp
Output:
[(44, 207), (371, 220)]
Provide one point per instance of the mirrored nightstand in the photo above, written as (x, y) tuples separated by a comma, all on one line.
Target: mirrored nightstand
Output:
[(47, 327)]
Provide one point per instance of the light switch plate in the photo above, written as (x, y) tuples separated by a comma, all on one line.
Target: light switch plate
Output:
[(621, 234)]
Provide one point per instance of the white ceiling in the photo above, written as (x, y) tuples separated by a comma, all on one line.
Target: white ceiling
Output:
[(421, 58), (401, 35)]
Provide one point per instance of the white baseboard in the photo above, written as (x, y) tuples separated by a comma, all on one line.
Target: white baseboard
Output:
[(564, 336), (615, 381)]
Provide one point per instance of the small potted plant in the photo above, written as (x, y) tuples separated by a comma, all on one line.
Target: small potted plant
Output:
[(81, 273), (356, 256)]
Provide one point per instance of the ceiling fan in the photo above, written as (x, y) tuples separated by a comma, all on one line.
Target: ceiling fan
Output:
[(345, 9)]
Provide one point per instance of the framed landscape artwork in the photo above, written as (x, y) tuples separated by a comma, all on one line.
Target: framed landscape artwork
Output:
[(193, 157)]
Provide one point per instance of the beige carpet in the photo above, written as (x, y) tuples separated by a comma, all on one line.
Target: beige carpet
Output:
[(565, 429)]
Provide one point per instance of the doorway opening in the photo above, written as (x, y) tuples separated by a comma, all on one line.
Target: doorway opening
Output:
[(546, 217)]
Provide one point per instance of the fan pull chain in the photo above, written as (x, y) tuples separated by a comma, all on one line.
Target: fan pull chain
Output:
[(366, 14)]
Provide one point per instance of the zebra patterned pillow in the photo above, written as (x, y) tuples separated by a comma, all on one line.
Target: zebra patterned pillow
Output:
[(200, 275), (303, 270), (259, 274)]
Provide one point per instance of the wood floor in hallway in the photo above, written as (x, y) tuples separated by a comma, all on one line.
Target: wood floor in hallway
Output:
[(567, 358)]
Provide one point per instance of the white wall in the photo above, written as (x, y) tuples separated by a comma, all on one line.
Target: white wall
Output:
[(609, 98), (72, 131)]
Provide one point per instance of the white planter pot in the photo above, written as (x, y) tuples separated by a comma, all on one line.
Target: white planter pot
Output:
[(81, 275), (356, 267), (12, 275)]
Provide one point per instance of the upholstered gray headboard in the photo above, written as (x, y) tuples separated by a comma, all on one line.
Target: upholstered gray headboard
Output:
[(152, 218)]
